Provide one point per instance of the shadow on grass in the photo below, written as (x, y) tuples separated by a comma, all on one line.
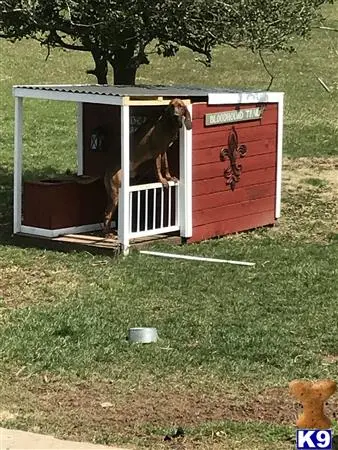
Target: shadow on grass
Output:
[(335, 443), (6, 206)]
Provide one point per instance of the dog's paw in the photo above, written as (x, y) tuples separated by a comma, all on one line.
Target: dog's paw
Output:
[(165, 183), (111, 235), (170, 178)]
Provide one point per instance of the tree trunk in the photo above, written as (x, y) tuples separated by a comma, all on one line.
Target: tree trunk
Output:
[(125, 63), (101, 67), (124, 75)]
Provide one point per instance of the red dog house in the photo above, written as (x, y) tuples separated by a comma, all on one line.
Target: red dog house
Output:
[(228, 165)]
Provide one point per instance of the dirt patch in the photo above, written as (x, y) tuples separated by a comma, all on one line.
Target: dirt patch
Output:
[(6, 415), (295, 171), (79, 406), (330, 359), (309, 199), (108, 413), (309, 209)]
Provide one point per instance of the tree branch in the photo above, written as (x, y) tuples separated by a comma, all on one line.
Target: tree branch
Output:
[(272, 77), (327, 28), (54, 37), (81, 24)]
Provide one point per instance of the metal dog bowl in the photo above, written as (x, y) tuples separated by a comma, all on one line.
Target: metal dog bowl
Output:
[(142, 335)]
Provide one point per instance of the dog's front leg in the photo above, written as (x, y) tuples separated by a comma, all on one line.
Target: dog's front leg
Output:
[(159, 175), (112, 184), (167, 175)]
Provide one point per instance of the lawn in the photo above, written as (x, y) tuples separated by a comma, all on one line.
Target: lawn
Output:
[(231, 337)]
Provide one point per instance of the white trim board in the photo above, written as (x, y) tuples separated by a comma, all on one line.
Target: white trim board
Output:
[(79, 138), (147, 186), (18, 150), (279, 157), (124, 200), (163, 230), (44, 232), (67, 96), (237, 98), (185, 188)]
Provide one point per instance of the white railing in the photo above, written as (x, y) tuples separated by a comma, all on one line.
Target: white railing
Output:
[(153, 209)]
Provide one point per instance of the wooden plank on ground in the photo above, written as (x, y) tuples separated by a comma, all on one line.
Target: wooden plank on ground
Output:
[(90, 243)]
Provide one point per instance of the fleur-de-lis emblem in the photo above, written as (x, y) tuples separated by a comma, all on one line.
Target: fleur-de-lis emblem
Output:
[(232, 173)]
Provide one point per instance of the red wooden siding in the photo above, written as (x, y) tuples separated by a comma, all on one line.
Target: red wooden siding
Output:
[(218, 200), (231, 225), (217, 210), (220, 135), (218, 184), (257, 148), (61, 204), (269, 116), (249, 164)]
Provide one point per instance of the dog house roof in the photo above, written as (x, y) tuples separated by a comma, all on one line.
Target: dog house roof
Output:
[(131, 91), (115, 94)]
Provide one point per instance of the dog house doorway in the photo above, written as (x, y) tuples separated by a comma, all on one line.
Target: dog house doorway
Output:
[(153, 207), (145, 208)]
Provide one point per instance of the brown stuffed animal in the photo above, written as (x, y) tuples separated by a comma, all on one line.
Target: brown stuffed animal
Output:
[(312, 395)]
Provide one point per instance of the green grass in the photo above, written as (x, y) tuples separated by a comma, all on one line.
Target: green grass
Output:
[(218, 319), (228, 334), (317, 182)]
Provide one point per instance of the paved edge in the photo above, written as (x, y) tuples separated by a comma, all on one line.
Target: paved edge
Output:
[(22, 440)]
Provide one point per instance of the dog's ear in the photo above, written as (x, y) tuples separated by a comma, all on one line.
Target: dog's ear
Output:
[(170, 110), (187, 121)]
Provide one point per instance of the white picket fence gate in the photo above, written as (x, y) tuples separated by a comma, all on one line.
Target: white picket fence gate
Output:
[(153, 209)]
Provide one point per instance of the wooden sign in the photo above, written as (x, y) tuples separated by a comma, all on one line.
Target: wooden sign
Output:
[(237, 115)]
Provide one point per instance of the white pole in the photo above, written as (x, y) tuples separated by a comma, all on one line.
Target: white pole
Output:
[(196, 258), (79, 138), (279, 156), (18, 165), (123, 208), (185, 185)]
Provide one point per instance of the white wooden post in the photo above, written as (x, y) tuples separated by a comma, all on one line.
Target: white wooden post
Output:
[(79, 131), (123, 208), (18, 164), (185, 186), (279, 156)]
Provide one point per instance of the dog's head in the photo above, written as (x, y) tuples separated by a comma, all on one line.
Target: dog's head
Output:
[(178, 109)]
